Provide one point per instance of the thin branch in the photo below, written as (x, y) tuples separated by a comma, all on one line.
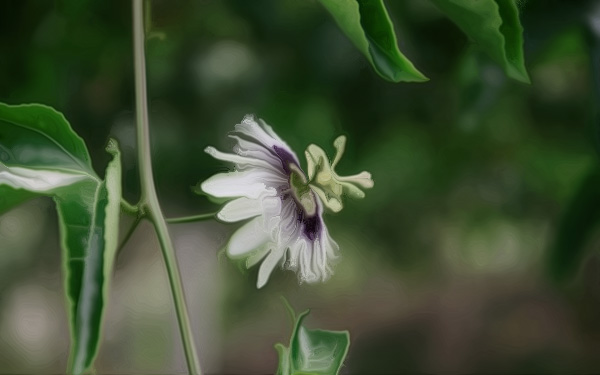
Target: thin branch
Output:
[(191, 219), (129, 208)]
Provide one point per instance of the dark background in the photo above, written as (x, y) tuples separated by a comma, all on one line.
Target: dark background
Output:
[(476, 251)]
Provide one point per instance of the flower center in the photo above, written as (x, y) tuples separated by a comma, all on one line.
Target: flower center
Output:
[(301, 190)]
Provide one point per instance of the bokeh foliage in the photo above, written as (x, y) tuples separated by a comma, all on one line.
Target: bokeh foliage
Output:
[(485, 187)]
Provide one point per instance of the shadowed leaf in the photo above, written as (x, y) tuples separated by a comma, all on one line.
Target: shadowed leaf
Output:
[(494, 26)]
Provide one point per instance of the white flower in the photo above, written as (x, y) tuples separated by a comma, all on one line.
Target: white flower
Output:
[(268, 187)]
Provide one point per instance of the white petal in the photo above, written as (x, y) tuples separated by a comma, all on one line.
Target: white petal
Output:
[(267, 266), (281, 143), (269, 130), (240, 161), (248, 238), (258, 255), (37, 180), (289, 224), (250, 128), (253, 130), (306, 273), (320, 260), (295, 249), (330, 245), (255, 150), (240, 209), (272, 215), (328, 254), (249, 184), (316, 266)]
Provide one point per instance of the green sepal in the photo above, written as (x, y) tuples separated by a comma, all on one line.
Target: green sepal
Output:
[(315, 352)]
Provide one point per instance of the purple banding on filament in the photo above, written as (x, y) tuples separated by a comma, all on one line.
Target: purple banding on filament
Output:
[(285, 157), (311, 225)]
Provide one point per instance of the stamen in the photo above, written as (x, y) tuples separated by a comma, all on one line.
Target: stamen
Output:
[(301, 191), (340, 147), (327, 183)]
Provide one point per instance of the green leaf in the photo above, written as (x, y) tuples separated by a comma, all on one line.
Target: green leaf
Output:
[(494, 26), (37, 148), (38, 136), (316, 352), (41, 155), (367, 24), (89, 232)]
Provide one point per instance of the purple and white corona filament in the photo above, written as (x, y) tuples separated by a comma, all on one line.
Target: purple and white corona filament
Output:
[(284, 208)]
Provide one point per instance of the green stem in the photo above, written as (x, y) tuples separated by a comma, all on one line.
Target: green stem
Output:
[(190, 219), (149, 200)]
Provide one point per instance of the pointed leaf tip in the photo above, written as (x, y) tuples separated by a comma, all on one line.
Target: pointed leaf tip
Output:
[(367, 24)]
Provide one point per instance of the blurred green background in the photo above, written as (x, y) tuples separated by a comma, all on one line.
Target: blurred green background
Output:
[(476, 252)]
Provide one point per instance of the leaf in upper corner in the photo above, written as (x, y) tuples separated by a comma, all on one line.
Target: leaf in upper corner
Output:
[(40, 154), (317, 352), (367, 24), (494, 26)]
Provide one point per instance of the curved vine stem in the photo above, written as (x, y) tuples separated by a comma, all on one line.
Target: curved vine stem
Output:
[(129, 208), (191, 219), (149, 200)]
